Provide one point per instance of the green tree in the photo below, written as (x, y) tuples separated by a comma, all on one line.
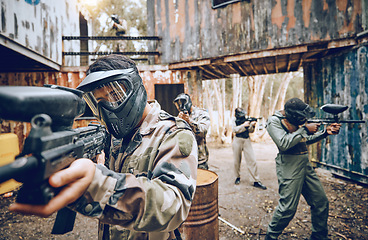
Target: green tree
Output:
[(134, 12)]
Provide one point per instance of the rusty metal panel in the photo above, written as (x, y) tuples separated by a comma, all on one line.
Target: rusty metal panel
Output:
[(152, 77), (342, 79), (192, 29), (38, 26)]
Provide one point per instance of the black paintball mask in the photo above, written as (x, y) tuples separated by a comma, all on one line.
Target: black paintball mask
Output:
[(117, 98), (240, 113), (298, 112), (183, 102)]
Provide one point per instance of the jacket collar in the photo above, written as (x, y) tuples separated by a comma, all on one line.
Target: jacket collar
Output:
[(152, 118)]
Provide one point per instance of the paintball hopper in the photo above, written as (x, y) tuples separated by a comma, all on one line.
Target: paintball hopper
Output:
[(334, 108), (22, 103)]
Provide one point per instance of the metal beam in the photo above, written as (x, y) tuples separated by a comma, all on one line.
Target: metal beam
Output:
[(209, 73), (229, 65), (108, 53), (245, 73), (218, 71), (289, 64), (266, 53), (69, 38), (252, 66), (264, 65), (190, 64), (290, 50)]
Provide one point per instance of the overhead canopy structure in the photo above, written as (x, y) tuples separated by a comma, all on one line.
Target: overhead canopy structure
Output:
[(266, 61)]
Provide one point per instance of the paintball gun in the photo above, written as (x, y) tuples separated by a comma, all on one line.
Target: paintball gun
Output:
[(52, 144), (243, 119), (252, 119), (335, 110)]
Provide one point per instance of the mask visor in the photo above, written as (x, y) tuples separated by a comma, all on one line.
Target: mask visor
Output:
[(110, 95), (180, 104)]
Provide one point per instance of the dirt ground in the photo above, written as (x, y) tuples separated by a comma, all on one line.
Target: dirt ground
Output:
[(242, 206)]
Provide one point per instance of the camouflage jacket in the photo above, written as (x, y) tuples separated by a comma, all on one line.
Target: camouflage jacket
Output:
[(148, 192), (200, 123)]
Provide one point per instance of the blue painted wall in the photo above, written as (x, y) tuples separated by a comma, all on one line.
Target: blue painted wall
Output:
[(342, 79)]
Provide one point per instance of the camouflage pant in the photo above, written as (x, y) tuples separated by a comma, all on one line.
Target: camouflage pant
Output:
[(203, 166)]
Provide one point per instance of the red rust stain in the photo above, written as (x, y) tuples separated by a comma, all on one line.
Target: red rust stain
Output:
[(306, 12), (325, 5), (236, 13), (276, 15), (151, 78), (270, 43), (252, 20), (163, 15), (290, 12), (328, 37), (191, 9), (202, 14), (341, 5), (172, 14), (354, 11), (63, 79), (314, 37), (180, 20)]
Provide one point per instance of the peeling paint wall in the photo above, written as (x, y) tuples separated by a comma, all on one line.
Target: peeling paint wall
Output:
[(40, 25), (191, 29), (342, 79)]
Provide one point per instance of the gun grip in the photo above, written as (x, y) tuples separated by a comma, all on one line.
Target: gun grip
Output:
[(64, 221)]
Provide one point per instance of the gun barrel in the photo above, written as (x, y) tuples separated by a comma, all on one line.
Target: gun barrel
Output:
[(329, 121), (18, 168), (320, 121), (352, 121)]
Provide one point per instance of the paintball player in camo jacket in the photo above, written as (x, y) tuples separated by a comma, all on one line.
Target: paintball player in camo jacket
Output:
[(148, 190), (199, 121)]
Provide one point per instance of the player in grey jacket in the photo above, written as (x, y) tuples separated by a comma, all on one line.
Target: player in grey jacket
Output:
[(291, 134)]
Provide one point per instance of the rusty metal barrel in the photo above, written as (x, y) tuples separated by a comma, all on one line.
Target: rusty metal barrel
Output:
[(202, 222)]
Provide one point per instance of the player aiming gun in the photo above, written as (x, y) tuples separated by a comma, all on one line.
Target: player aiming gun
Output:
[(241, 117), (52, 144), (119, 25), (335, 110)]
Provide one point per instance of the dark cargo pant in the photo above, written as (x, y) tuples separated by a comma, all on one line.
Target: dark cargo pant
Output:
[(295, 177)]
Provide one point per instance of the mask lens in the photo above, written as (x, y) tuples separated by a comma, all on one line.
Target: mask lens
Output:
[(112, 94), (92, 103), (180, 104)]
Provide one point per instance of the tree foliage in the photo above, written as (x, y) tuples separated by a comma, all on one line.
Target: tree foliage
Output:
[(259, 95), (132, 11)]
